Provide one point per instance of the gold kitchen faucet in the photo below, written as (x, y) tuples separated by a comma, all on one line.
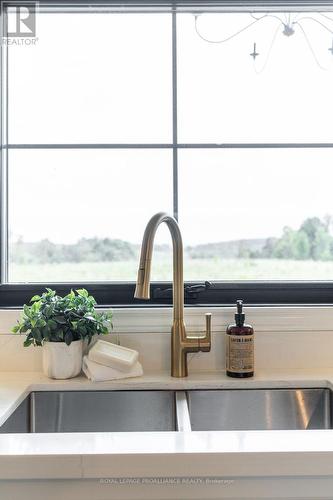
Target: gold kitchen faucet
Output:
[(181, 343)]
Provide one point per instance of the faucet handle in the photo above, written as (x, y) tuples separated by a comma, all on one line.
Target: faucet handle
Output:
[(205, 342)]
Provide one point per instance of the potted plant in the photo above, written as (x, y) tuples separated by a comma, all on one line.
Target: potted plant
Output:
[(60, 325)]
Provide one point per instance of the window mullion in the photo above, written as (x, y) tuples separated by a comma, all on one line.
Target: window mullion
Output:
[(174, 116), (4, 154)]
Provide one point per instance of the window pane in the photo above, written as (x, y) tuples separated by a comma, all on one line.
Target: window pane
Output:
[(102, 78), (257, 214), (284, 95), (80, 214)]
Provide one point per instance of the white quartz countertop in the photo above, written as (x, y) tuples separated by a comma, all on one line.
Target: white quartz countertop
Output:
[(163, 454)]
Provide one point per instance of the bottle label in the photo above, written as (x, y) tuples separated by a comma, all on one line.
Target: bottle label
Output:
[(240, 353)]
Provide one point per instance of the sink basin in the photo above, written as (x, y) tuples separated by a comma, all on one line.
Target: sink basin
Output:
[(196, 410), (260, 409), (94, 411)]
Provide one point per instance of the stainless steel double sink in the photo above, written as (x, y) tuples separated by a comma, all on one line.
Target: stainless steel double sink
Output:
[(193, 410)]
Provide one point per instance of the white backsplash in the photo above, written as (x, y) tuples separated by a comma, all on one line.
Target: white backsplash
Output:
[(290, 338)]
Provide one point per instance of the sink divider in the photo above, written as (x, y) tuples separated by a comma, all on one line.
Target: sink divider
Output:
[(182, 412), (32, 413)]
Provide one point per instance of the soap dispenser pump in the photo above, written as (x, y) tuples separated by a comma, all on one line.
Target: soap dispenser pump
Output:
[(240, 346)]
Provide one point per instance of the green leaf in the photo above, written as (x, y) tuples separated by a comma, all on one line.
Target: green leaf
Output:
[(26, 310), (82, 292), (68, 338), (48, 310), (59, 334), (46, 332), (60, 320), (82, 329), (35, 307), (52, 324), (28, 342), (35, 298), (89, 317), (16, 329), (71, 295), (37, 334)]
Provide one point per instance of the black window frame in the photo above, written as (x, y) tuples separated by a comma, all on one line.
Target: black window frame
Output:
[(121, 294)]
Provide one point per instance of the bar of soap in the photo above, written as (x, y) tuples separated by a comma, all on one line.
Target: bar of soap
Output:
[(113, 355)]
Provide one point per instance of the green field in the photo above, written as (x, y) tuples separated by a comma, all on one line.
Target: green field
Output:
[(194, 269)]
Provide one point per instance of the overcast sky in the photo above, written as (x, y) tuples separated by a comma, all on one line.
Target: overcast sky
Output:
[(101, 79)]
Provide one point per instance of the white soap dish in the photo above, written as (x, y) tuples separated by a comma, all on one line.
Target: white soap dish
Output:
[(113, 355)]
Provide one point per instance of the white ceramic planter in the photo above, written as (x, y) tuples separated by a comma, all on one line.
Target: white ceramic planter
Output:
[(62, 361)]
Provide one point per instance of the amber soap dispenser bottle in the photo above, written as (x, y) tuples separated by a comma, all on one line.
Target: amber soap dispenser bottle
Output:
[(240, 346)]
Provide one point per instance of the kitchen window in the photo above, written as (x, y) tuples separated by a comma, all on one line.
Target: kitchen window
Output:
[(216, 112)]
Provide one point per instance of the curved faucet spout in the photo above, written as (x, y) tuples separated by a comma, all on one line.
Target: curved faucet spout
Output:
[(180, 343), (143, 281)]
